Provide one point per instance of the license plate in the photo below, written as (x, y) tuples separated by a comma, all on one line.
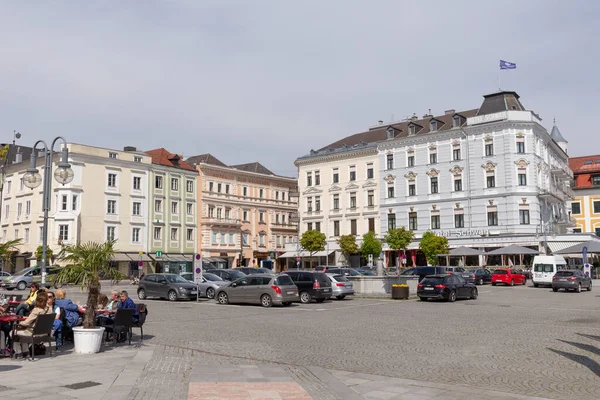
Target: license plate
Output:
[(498, 280), (428, 288), (327, 290), (350, 285), (563, 280), (291, 292), (193, 292)]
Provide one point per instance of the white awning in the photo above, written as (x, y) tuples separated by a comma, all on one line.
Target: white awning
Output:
[(557, 246), (294, 254)]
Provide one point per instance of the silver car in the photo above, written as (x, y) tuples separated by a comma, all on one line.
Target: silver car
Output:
[(340, 286), (263, 289), (209, 283)]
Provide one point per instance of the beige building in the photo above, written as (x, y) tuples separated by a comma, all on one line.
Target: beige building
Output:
[(244, 213)]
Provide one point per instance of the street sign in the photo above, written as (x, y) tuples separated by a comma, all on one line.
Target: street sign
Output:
[(370, 260), (159, 254), (587, 270), (584, 251), (298, 259), (198, 269), (140, 264)]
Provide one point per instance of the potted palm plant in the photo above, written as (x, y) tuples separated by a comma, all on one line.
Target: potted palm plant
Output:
[(7, 249), (84, 265)]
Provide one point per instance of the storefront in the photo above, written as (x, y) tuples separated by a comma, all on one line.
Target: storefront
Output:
[(174, 263)]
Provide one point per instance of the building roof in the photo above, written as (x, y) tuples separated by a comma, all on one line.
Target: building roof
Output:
[(556, 136), (204, 158), (583, 169), (500, 101), (253, 167), (13, 150), (163, 157)]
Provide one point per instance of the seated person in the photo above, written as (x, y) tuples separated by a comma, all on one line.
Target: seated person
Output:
[(102, 301), (28, 304), (25, 328), (111, 307), (126, 302), (58, 324), (71, 309), (4, 335)]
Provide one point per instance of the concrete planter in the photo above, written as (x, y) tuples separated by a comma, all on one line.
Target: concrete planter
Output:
[(87, 341)]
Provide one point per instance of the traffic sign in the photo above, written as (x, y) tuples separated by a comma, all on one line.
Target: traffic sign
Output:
[(584, 251), (298, 259), (159, 254), (140, 264)]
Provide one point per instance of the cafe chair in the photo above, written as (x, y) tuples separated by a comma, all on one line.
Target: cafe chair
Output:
[(42, 332), (123, 323), (142, 314)]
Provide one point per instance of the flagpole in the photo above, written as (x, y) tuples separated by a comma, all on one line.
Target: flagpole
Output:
[(499, 87)]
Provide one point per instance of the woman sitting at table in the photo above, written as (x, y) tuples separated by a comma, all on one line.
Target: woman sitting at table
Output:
[(28, 304), (102, 301), (4, 335), (25, 328), (57, 326), (71, 309), (105, 319)]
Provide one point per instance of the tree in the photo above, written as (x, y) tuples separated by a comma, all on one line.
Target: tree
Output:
[(399, 238), (348, 245), (85, 263), (8, 248), (49, 254), (432, 245), (370, 245), (313, 241)]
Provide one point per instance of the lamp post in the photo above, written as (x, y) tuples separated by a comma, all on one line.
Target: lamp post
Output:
[(33, 179)]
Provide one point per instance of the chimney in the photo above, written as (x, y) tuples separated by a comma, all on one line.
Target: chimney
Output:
[(380, 122), (450, 112), (414, 117), (428, 115), (18, 156), (129, 148)]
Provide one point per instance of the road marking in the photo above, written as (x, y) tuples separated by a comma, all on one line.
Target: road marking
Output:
[(572, 309)]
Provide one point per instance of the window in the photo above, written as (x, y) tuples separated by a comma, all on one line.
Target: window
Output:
[(491, 181), (261, 241), (219, 213), (411, 161), (223, 238), (245, 191), (458, 185), (158, 182), (391, 221), (336, 228), (435, 222), (19, 210), (261, 217), (189, 208), (577, 230), (371, 198), (524, 217), (110, 233), (456, 154), (7, 211), (596, 180), (456, 121), (434, 184), (261, 193), (276, 195), (137, 183), (112, 155), (63, 232), (521, 147), (309, 179), (137, 159), (522, 179), (246, 239), (74, 204), (214, 238), (352, 200), (26, 239), (190, 235), (353, 229), (317, 203), (390, 192), (28, 206), (309, 226), (174, 184), (226, 189), (211, 212), (372, 225), (174, 207), (309, 204), (227, 213), (318, 226), (433, 158), (411, 129), (336, 175), (336, 201), (597, 231), (576, 208), (352, 173), (489, 149), (459, 220), (157, 233), (17, 234), (370, 171), (412, 221), (174, 234), (433, 126), (245, 214), (111, 207), (189, 186), (492, 217), (112, 180), (137, 208), (8, 186), (596, 207), (317, 178), (158, 206), (40, 233), (412, 189), (219, 187), (64, 204), (390, 161)]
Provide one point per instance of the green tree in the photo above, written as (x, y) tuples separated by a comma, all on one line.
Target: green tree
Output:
[(7, 249), (49, 254), (400, 238), (370, 245), (313, 241), (348, 245), (85, 262), (432, 245)]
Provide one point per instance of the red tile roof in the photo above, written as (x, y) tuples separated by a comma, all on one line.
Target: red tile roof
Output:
[(583, 171), (163, 157)]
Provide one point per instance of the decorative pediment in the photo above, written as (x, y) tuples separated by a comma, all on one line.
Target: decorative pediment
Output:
[(389, 178), (455, 143), (520, 134), (524, 200), (352, 186), (411, 176), (312, 190), (489, 166), (539, 166), (434, 207), (491, 202), (488, 138), (335, 188), (263, 232), (457, 205), (433, 172), (522, 163), (411, 209), (456, 170), (432, 147), (389, 152), (369, 183), (410, 150)]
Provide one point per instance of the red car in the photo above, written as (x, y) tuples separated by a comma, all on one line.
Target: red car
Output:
[(508, 277)]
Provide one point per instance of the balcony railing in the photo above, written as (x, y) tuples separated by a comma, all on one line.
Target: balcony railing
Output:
[(220, 221), (281, 225)]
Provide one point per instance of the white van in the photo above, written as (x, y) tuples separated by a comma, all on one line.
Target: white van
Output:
[(544, 268)]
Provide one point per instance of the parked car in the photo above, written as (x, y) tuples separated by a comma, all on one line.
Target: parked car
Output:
[(544, 268), (263, 289), (446, 287), (367, 271), (342, 271), (23, 279), (209, 283), (228, 274), (508, 276), (166, 286), (311, 285), (469, 277), (481, 276), (422, 272), (340, 286), (4, 274), (250, 270), (571, 280)]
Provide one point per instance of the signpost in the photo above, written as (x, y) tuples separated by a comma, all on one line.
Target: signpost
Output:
[(158, 254), (198, 273), (370, 260), (584, 251)]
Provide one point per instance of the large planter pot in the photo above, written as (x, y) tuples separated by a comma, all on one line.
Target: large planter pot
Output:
[(87, 341), (400, 293)]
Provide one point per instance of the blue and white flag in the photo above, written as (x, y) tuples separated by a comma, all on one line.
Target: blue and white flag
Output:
[(507, 65)]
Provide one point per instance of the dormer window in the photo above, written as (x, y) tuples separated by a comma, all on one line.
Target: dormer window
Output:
[(456, 121), (433, 125), (412, 129), (390, 133)]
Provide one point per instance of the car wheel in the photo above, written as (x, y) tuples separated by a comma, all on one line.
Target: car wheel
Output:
[(555, 289), (265, 300), (474, 294), (422, 298), (222, 298), (320, 300), (590, 287), (512, 282), (305, 298), (524, 281), (21, 286), (340, 297), (493, 283), (142, 294), (452, 296), (210, 293), (287, 303), (578, 290), (480, 281), (172, 295), (535, 285)]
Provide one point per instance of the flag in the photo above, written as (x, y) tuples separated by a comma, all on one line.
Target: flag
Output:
[(507, 65)]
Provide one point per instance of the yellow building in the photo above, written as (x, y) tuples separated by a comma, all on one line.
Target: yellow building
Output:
[(585, 208)]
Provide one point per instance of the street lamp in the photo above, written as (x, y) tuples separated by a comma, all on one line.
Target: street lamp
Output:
[(32, 179)]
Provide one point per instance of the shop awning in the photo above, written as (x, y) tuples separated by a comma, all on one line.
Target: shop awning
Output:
[(465, 251), (121, 257), (177, 257), (593, 247), (294, 254), (189, 257), (140, 257)]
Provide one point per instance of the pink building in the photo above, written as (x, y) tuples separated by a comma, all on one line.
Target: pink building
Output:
[(244, 213)]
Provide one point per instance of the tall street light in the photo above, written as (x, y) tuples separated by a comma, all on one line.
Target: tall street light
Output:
[(33, 179)]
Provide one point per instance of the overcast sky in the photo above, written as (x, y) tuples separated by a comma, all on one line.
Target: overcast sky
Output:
[(269, 80)]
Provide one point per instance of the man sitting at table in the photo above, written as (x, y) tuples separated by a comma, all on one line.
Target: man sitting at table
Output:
[(71, 309), (5, 330), (27, 305), (111, 308), (126, 302)]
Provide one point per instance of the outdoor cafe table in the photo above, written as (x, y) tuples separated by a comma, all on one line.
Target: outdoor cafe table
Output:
[(11, 320), (12, 305)]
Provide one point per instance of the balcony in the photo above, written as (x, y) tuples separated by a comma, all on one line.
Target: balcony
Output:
[(557, 192), (215, 221), (277, 226), (567, 222)]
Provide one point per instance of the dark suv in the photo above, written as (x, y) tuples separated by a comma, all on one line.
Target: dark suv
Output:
[(424, 271), (311, 285)]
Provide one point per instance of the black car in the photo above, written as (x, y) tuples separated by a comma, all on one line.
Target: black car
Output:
[(424, 271), (250, 270), (228, 274), (481, 276), (311, 285), (446, 287)]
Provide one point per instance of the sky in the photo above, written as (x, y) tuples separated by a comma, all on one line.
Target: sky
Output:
[(268, 81)]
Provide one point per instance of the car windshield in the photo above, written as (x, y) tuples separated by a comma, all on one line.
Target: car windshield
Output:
[(175, 279), (500, 272), (284, 280), (432, 281), (353, 272), (564, 273), (24, 272), (340, 278), (543, 268), (236, 274), (212, 277)]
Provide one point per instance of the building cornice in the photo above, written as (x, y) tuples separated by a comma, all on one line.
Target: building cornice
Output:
[(334, 156), (210, 167)]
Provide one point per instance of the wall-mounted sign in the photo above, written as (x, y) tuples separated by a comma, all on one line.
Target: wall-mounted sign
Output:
[(463, 232), (482, 119)]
